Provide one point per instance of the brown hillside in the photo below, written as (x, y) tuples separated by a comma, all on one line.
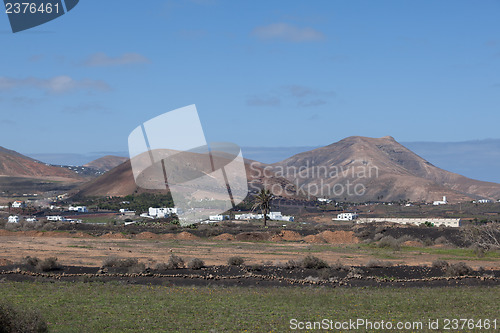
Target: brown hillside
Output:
[(385, 169), (13, 164), (119, 181), (106, 163)]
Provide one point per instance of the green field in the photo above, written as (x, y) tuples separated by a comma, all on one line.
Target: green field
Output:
[(113, 307)]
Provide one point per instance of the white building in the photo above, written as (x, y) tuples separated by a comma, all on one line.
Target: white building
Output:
[(125, 211), (54, 218), (324, 200), (443, 202), (13, 219), (248, 216), (79, 209), (218, 217), (31, 219), (277, 216), (437, 222), (161, 212), (18, 204), (482, 201), (346, 217)]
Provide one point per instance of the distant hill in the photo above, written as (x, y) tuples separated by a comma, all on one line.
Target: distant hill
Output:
[(391, 172), (106, 163)]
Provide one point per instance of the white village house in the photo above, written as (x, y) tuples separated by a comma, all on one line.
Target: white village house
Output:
[(13, 219), (79, 209), (54, 218), (443, 202), (18, 204), (347, 216), (159, 213)]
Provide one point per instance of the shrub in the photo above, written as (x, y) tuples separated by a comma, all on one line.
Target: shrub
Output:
[(291, 264), (122, 263), (235, 261), (458, 269), (375, 263), (30, 261), (440, 264), (313, 262), (48, 264), (196, 263), (441, 240), (405, 238), (480, 252), (175, 262), (389, 242), (428, 242), (17, 320)]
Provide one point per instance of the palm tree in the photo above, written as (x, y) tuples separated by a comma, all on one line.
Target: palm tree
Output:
[(263, 202)]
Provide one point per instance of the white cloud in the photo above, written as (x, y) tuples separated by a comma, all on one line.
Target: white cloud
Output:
[(288, 32), (103, 60), (56, 85)]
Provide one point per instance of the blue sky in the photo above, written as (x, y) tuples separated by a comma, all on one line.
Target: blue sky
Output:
[(261, 73)]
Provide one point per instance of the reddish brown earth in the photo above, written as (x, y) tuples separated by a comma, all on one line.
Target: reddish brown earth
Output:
[(81, 249), (106, 163)]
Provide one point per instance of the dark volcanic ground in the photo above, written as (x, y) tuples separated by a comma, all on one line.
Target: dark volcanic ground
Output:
[(355, 276)]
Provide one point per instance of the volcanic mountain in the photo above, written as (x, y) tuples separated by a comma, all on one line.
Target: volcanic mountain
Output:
[(106, 163), (13, 164), (119, 181), (20, 174), (364, 169)]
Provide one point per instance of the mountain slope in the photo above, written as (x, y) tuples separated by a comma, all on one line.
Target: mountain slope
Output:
[(361, 169), (119, 181), (106, 163), (13, 164)]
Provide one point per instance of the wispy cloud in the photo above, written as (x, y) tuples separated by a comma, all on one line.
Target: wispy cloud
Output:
[(103, 60), (55, 85), (287, 32), (263, 101)]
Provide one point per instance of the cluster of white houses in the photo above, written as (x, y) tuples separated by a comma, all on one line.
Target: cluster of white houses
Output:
[(277, 216)]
